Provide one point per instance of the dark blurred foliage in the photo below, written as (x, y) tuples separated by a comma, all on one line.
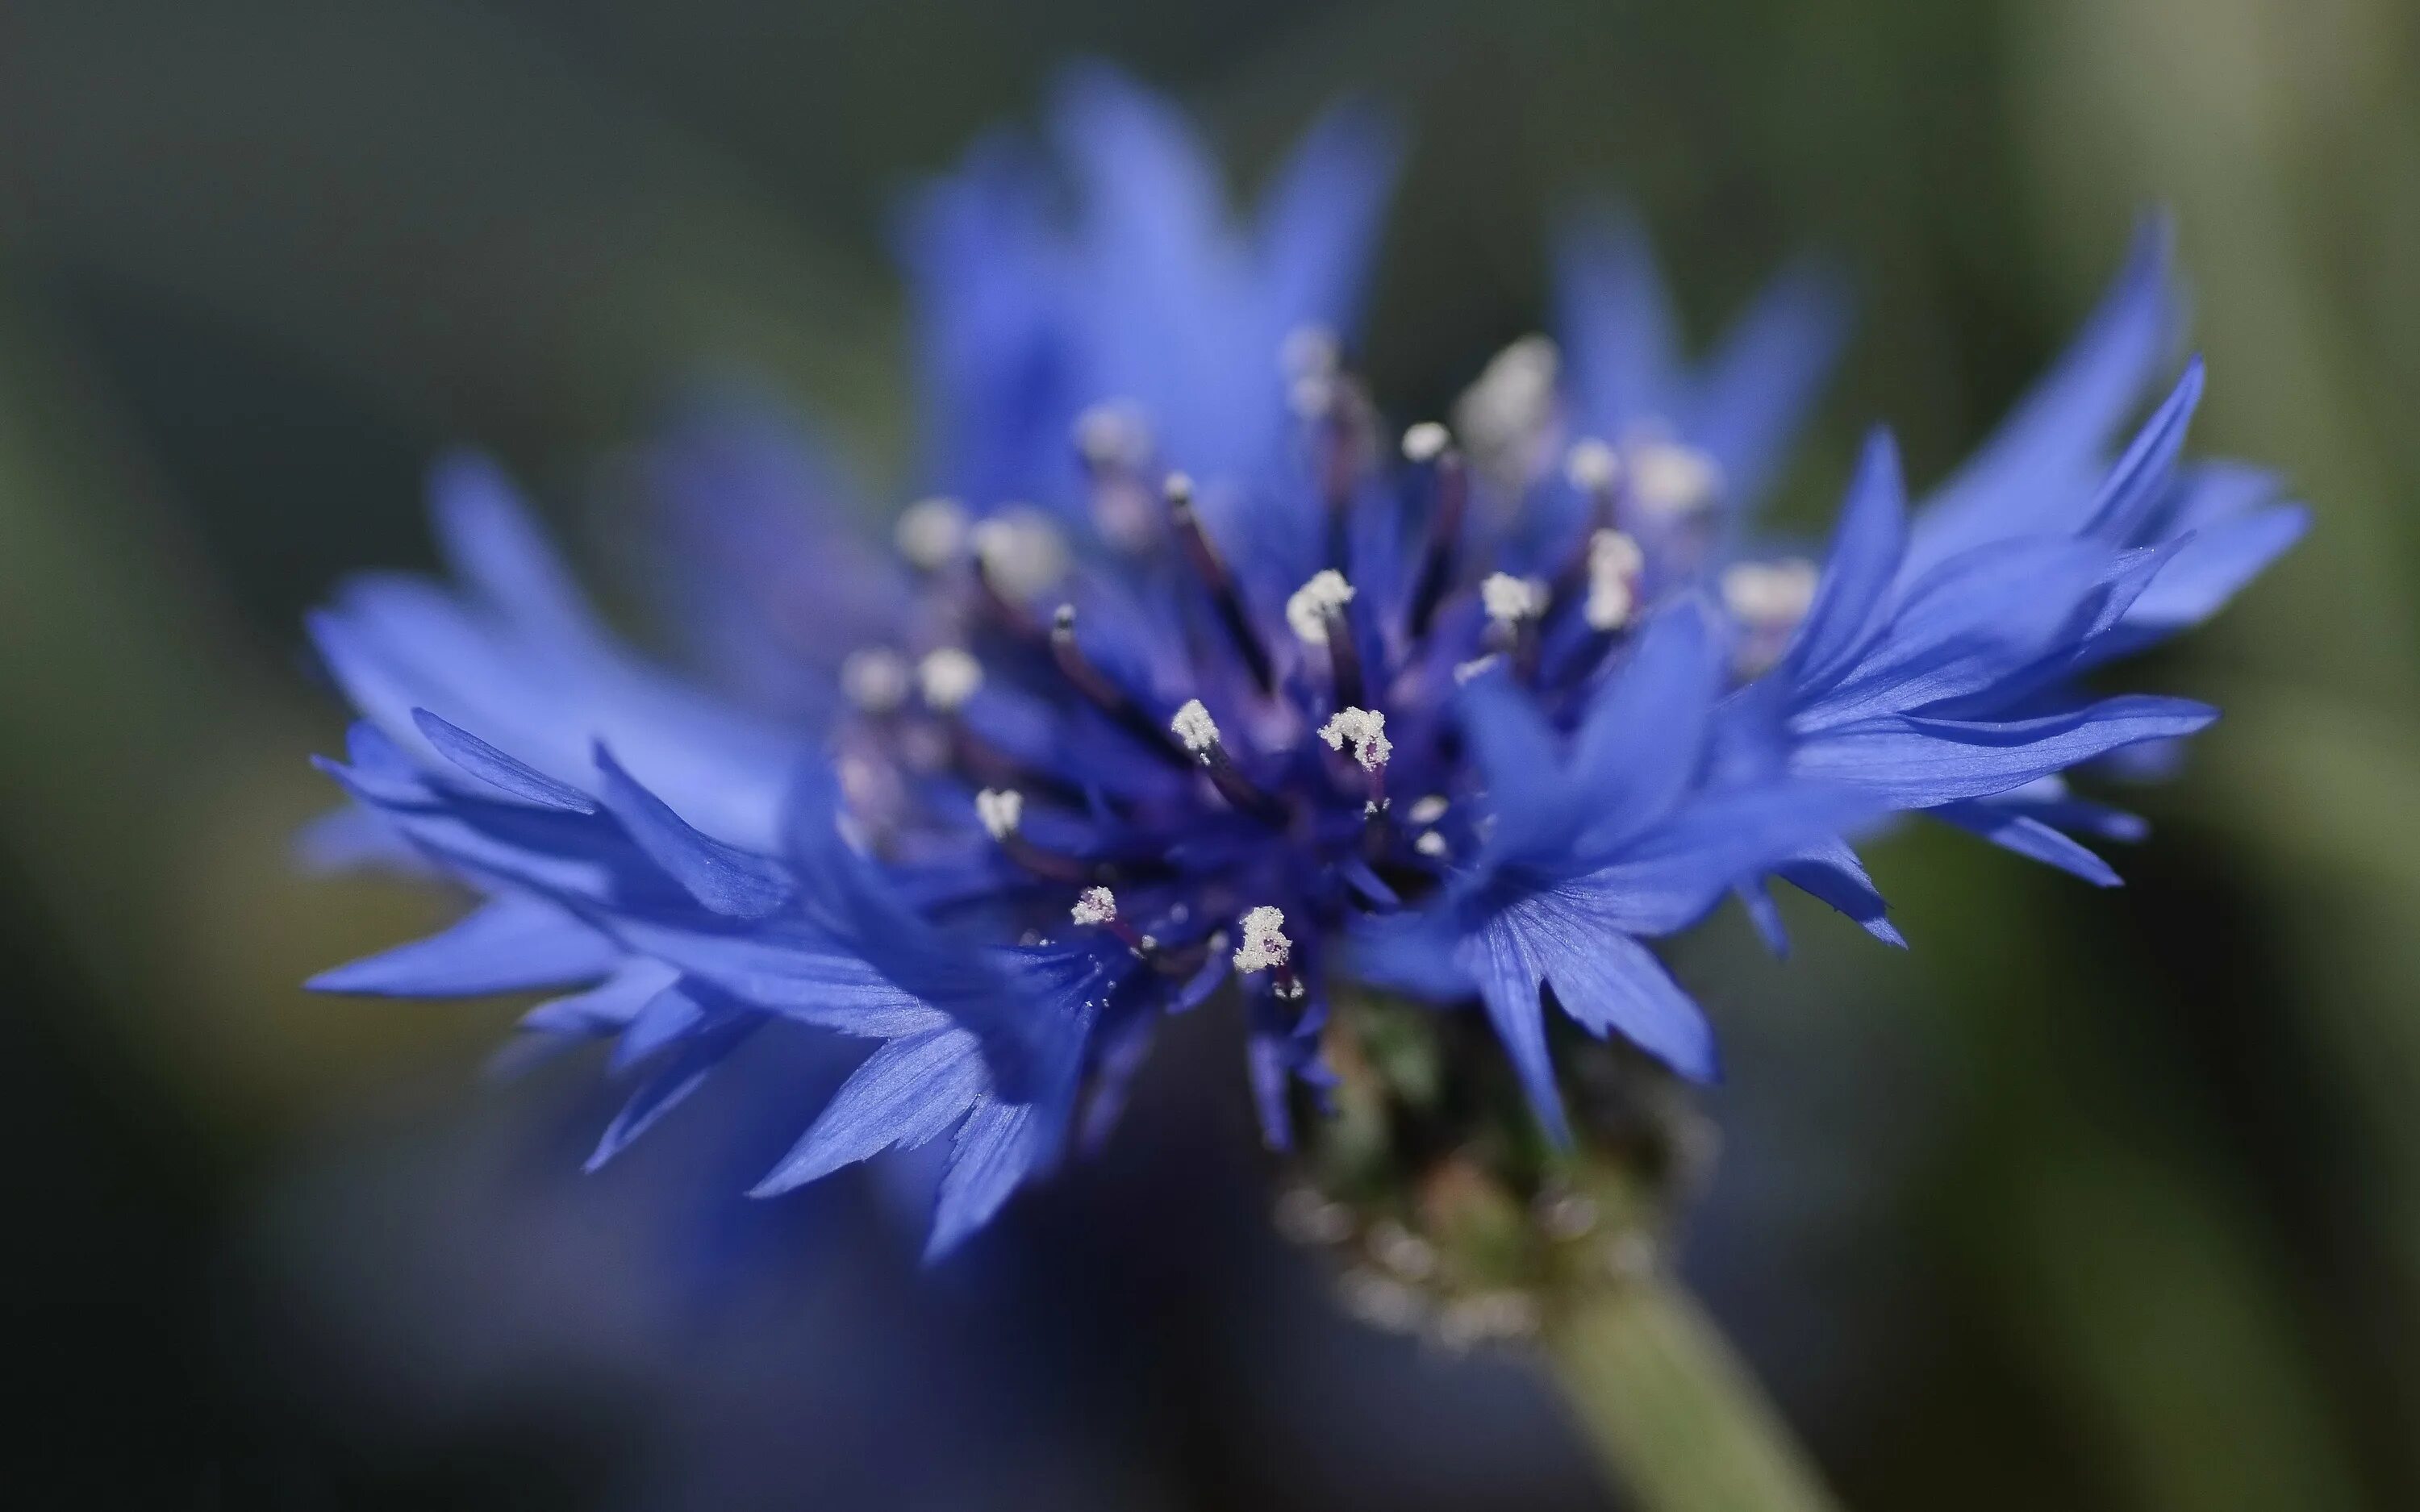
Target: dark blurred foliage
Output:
[(2091, 1201)]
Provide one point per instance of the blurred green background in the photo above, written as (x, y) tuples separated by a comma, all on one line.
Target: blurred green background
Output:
[(2124, 1211)]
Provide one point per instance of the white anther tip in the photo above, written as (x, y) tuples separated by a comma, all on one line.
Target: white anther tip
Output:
[(931, 532), (948, 677), (1095, 905), (1001, 809), (1194, 727), (1591, 465), (1265, 944), (1426, 441), (1366, 729), (876, 678), (1508, 598), (1307, 608)]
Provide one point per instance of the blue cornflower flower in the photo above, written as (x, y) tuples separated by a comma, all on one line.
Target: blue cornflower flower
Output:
[(1194, 674)]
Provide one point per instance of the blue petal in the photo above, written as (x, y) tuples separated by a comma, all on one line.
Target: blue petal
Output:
[(605, 1009), (2209, 568), (1619, 335), (491, 544), (664, 1018), (667, 1088), (1759, 384), (725, 878), (497, 769), (2140, 481), (1498, 959), (2036, 473), (1917, 764), (907, 1093), (1319, 218), (1832, 873), (1639, 744), (2030, 838), (998, 1146), (510, 943), (1867, 548)]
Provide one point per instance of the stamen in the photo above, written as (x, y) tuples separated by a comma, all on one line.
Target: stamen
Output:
[(1112, 434), (1198, 734), (1195, 729), (1425, 441), (1475, 667), (876, 679), (1001, 810), (1506, 415), (1433, 845), (931, 532), (1307, 612), (1614, 564), (1095, 905), (1096, 685), (1445, 537), (1367, 729), (1021, 553), (947, 678), (1207, 565), (1769, 599), (1514, 606), (1770, 594), (1592, 467), (1309, 350), (1429, 809), (1266, 947), (1316, 612), (1511, 600), (1670, 480)]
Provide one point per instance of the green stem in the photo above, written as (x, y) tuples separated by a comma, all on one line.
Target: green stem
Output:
[(1673, 1414)]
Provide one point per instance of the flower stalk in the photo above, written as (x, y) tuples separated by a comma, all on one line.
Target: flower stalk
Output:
[(1673, 1414)]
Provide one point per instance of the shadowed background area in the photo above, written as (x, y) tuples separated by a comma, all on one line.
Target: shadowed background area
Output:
[(2101, 1202)]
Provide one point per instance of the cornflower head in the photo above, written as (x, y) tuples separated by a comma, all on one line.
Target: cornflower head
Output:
[(1189, 673)]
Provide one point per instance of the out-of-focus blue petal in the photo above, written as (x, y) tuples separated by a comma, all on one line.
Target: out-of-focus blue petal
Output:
[(1758, 385), (671, 1085), (1319, 219), (2036, 473), (1620, 345), (509, 944), (2207, 569)]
